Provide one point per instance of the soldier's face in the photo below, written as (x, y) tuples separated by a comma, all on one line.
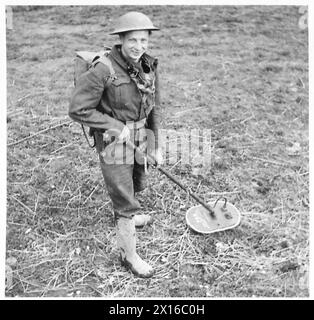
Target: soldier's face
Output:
[(134, 44)]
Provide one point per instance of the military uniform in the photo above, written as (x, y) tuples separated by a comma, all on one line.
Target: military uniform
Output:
[(131, 99)]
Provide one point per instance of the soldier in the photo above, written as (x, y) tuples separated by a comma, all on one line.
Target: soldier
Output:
[(127, 108)]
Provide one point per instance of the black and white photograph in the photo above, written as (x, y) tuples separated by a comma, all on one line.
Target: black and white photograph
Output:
[(157, 151)]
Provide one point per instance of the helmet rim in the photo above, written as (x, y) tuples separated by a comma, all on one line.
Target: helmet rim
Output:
[(133, 21)]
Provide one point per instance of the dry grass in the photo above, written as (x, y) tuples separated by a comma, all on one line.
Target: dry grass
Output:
[(241, 72)]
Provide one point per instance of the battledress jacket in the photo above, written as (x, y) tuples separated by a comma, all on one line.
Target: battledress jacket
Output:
[(109, 107)]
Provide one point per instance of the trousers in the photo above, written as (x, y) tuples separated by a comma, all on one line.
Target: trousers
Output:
[(123, 178), (122, 182)]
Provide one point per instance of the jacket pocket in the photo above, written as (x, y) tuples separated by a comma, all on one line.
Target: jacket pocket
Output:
[(121, 80), (121, 87)]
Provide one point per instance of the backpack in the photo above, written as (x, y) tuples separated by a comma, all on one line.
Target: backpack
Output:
[(82, 62)]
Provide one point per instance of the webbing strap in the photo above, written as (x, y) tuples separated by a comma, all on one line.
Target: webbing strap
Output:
[(102, 58), (106, 61)]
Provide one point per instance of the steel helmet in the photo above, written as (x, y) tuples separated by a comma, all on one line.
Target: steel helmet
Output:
[(132, 21)]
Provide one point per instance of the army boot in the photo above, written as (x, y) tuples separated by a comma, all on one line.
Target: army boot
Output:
[(126, 241), (141, 220)]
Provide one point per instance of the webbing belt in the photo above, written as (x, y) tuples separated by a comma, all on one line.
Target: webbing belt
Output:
[(136, 124), (132, 125)]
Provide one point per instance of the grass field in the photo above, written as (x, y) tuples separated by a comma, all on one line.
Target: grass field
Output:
[(241, 72)]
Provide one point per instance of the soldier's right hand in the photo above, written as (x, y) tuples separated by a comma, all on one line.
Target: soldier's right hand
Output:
[(125, 134), (120, 135)]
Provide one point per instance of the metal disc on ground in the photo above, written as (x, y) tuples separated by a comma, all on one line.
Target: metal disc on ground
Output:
[(227, 216)]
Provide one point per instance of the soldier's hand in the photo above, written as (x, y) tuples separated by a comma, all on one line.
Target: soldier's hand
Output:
[(125, 134), (120, 135)]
